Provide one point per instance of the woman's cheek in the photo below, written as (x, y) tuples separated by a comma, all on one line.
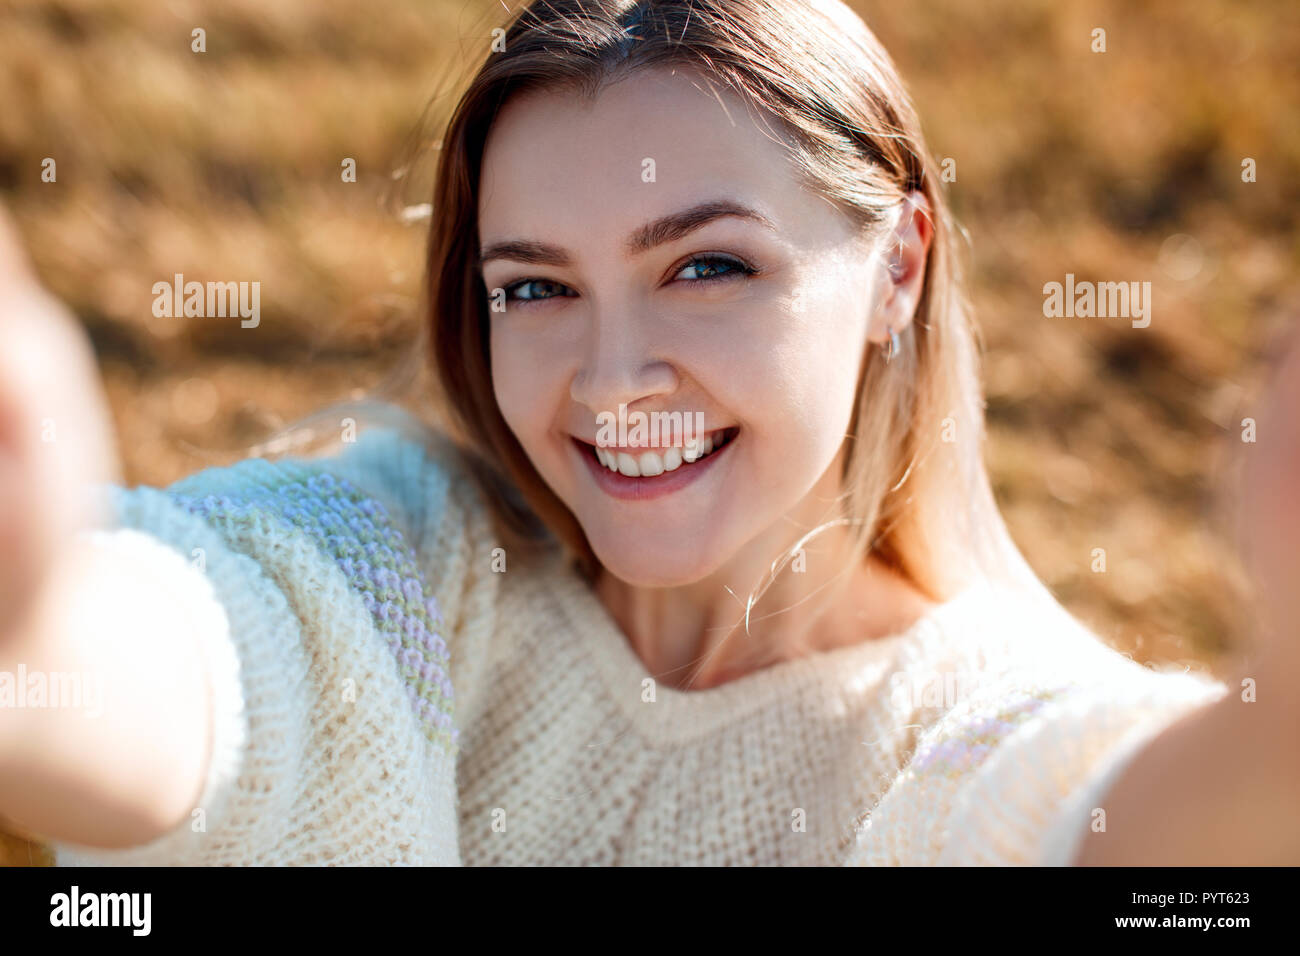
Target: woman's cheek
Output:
[(810, 405), (516, 383)]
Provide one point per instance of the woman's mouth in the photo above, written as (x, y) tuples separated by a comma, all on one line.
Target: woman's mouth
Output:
[(635, 463), (644, 473)]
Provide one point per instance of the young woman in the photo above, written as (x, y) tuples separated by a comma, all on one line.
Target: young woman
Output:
[(801, 635)]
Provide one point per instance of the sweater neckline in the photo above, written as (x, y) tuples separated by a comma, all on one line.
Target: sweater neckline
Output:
[(679, 715)]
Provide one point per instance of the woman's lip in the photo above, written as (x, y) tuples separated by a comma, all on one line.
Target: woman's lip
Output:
[(618, 485)]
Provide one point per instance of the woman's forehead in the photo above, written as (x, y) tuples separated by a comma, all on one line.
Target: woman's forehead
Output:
[(640, 135), (646, 147)]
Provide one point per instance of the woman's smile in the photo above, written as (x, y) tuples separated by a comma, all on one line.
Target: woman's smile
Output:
[(650, 474)]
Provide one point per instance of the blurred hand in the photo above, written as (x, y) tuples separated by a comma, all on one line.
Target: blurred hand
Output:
[(56, 435), (1270, 530)]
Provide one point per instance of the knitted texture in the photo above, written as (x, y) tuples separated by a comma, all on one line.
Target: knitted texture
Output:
[(333, 738), (961, 741), (358, 534), (985, 733)]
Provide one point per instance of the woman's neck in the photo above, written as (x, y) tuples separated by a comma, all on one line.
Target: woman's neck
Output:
[(696, 637)]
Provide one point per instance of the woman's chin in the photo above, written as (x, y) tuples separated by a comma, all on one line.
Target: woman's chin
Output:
[(658, 567)]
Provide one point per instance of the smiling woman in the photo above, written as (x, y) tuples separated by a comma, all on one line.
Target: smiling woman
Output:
[(667, 238), (803, 636), (600, 160), (772, 351)]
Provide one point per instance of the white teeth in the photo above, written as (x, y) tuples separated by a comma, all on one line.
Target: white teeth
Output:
[(692, 450), (697, 448), (627, 465), (650, 463)]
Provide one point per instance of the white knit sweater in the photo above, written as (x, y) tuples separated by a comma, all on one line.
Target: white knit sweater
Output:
[(986, 733)]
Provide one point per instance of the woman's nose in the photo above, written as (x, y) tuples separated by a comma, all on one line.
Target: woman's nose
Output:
[(620, 367)]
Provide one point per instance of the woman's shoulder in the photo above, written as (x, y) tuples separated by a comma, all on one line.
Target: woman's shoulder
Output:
[(1002, 635), (382, 482), (377, 455), (1020, 657), (1022, 713)]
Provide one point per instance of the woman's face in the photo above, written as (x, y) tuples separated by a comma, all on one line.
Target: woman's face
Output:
[(612, 300)]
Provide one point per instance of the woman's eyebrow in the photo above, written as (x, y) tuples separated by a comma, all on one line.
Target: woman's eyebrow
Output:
[(642, 239)]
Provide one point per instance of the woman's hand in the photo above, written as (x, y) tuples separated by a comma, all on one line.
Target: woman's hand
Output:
[(1270, 536), (122, 620), (1220, 787), (56, 435)]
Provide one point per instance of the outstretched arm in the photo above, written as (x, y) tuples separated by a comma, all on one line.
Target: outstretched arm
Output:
[(69, 608), (1221, 786), (273, 663), (124, 760)]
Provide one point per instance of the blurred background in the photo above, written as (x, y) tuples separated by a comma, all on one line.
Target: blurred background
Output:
[(1123, 165)]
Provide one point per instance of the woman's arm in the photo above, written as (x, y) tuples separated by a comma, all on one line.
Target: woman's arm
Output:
[(273, 662), (1221, 786), (116, 752), (92, 650)]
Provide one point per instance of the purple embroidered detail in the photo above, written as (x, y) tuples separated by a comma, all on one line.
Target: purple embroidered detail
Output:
[(979, 732), (366, 545)]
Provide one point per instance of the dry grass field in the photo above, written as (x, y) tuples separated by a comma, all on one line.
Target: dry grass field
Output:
[(1114, 166)]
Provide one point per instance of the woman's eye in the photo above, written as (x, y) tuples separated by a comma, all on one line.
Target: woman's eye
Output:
[(702, 269), (532, 290), (707, 268)]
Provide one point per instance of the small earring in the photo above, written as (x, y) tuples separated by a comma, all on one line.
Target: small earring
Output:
[(891, 349)]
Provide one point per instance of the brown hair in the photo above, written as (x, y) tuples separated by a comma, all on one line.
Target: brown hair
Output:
[(916, 489)]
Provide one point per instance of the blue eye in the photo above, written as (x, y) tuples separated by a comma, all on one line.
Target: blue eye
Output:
[(534, 295), (709, 268), (709, 264)]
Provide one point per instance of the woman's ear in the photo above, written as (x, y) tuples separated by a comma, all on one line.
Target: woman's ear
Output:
[(904, 250)]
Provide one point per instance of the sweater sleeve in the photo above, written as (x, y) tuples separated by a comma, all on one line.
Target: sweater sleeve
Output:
[(1035, 798), (333, 733), (1013, 773)]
